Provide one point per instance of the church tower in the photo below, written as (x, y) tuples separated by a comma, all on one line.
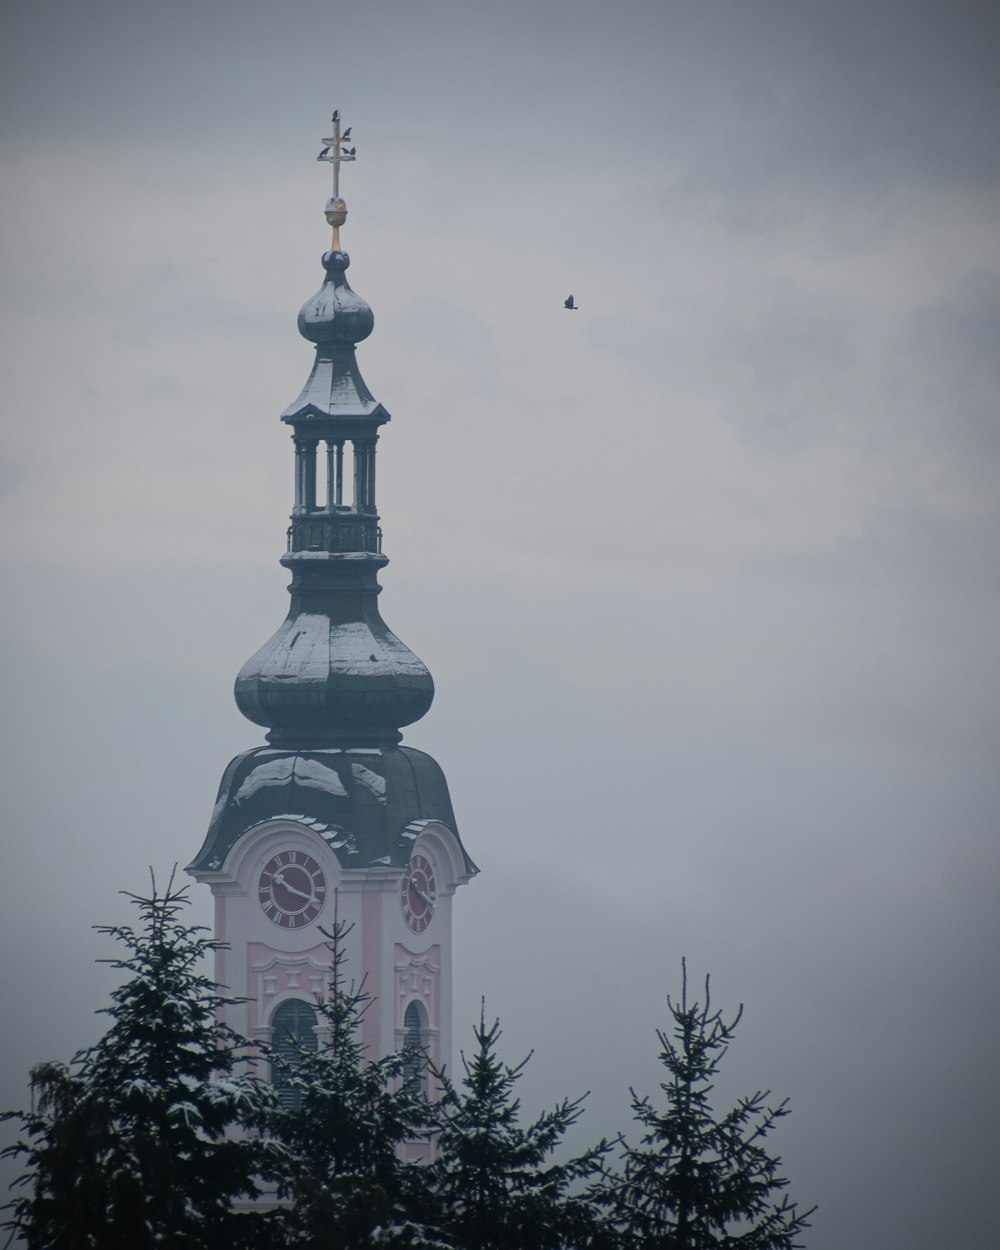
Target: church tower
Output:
[(335, 812)]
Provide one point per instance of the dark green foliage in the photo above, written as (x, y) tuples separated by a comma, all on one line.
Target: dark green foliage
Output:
[(344, 1181), (495, 1182), (130, 1146), (698, 1182), (150, 1140)]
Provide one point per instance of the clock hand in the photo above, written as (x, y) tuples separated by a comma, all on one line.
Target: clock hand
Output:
[(426, 898), (280, 880)]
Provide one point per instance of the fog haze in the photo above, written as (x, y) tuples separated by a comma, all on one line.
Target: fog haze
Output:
[(706, 572)]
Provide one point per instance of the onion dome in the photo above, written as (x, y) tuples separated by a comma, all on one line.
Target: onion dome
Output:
[(333, 673), (335, 314), (335, 318)]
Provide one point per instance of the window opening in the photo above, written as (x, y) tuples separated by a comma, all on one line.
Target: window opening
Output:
[(415, 1059), (360, 488), (305, 474), (364, 475), (293, 1029), (310, 476), (334, 473)]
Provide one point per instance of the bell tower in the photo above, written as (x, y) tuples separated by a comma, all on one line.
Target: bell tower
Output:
[(334, 811)]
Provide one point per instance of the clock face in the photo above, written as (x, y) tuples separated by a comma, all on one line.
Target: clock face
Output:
[(418, 893), (291, 889)]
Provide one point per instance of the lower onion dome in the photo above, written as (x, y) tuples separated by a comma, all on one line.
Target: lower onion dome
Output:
[(322, 681)]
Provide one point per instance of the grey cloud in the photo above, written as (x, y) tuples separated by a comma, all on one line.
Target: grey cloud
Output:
[(856, 101), (172, 300), (775, 356), (434, 322), (784, 363), (907, 551), (11, 477), (955, 346)]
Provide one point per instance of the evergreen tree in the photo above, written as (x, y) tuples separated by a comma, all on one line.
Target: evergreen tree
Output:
[(344, 1182), (495, 1182), (146, 1139), (698, 1182)]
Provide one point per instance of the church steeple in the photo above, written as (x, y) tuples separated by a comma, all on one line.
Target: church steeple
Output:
[(335, 818), (333, 673)]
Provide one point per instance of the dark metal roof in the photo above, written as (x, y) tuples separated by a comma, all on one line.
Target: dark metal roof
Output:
[(360, 801), (336, 314), (334, 673), (334, 392), (335, 319)]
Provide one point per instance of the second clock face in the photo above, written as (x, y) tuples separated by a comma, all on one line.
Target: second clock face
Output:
[(291, 889), (418, 893)]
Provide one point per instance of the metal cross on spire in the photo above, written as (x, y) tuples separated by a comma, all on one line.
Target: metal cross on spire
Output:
[(335, 152)]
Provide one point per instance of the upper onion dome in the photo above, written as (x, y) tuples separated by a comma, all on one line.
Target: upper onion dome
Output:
[(335, 314)]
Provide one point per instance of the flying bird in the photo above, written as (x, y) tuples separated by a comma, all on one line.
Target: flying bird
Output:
[(569, 303)]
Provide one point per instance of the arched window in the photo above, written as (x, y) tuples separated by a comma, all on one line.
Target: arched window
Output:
[(415, 1062), (293, 1029)]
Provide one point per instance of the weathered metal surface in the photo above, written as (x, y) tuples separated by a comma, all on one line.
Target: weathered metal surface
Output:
[(364, 803)]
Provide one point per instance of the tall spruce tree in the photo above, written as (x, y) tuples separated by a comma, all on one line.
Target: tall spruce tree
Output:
[(147, 1138), (495, 1182), (697, 1181), (344, 1182)]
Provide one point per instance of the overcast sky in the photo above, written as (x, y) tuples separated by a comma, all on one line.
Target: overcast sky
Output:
[(707, 573)]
